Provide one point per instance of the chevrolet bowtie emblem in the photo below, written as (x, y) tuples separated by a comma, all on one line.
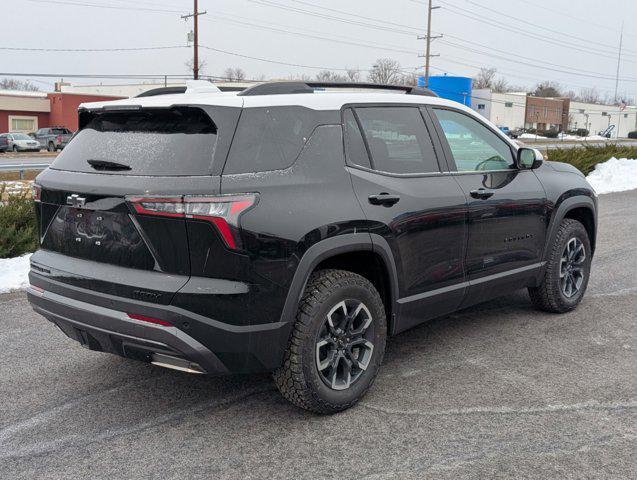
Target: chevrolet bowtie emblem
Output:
[(76, 201)]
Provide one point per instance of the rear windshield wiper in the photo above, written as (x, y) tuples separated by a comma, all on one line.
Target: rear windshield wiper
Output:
[(106, 165)]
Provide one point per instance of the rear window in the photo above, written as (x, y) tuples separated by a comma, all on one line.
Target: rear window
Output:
[(162, 142), (59, 131), (269, 138)]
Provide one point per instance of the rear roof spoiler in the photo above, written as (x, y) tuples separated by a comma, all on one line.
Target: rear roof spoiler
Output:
[(181, 89), (286, 88)]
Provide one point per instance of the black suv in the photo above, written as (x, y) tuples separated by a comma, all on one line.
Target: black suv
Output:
[(293, 227)]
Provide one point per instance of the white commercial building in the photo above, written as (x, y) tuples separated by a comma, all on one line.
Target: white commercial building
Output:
[(503, 109), (597, 118)]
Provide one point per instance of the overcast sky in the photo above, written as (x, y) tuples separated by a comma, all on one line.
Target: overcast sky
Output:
[(576, 42)]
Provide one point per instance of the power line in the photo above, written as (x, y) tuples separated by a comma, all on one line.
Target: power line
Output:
[(595, 76), (541, 27), (576, 71), (110, 7), (568, 14), (122, 49), (285, 30), (550, 40)]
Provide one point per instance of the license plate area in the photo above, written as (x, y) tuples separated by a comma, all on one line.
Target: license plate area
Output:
[(102, 236)]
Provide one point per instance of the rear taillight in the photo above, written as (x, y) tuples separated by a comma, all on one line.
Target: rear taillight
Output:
[(59, 139), (36, 192), (223, 211)]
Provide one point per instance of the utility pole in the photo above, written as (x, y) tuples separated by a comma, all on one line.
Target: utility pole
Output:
[(619, 59), (195, 14), (429, 38)]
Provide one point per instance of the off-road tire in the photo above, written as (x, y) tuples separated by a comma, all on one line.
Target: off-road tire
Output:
[(548, 296), (51, 147), (298, 379)]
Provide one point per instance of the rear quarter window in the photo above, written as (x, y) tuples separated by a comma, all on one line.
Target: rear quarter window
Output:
[(160, 142), (269, 138)]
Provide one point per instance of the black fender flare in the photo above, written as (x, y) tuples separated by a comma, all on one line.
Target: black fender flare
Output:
[(324, 249), (566, 206)]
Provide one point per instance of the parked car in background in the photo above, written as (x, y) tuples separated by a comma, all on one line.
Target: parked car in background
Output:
[(21, 142), (4, 143), (510, 133), (53, 138)]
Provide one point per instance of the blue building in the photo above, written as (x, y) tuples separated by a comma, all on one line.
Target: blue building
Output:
[(457, 89)]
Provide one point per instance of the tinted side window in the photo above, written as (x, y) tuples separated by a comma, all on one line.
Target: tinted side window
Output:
[(269, 138), (354, 144), (473, 146), (398, 139)]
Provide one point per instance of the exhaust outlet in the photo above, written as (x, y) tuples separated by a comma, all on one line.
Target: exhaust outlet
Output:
[(175, 363)]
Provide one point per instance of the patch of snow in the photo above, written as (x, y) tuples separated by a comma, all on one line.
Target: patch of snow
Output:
[(595, 138), (614, 175), (530, 136), (14, 273), (567, 137)]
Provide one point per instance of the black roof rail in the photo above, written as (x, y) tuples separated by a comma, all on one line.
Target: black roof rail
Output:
[(182, 89), (283, 88)]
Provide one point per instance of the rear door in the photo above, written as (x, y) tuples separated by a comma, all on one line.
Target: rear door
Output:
[(506, 206), (115, 195), (413, 206)]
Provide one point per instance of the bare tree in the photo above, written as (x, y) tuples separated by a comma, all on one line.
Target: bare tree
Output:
[(484, 78), (329, 76), (410, 79), (301, 77), (500, 85), (588, 95), (386, 71), (13, 84), (548, 89), (202, 65), (353, 75), (234, 74)]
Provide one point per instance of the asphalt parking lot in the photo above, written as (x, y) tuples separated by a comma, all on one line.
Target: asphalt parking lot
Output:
[(499, 390)]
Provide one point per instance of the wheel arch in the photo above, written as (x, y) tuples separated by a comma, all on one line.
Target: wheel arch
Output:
[(581, 208), (353, 252)]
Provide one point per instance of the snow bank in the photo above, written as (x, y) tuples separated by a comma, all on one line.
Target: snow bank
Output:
[(614, 175), (14, 273), (567, 137), (531, 136)]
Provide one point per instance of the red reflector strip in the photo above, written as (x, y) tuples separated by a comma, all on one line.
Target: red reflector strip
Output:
[(37, 289), (144, 318)]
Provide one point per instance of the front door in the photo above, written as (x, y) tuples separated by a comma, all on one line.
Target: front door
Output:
[(410, 205), (506, 206)]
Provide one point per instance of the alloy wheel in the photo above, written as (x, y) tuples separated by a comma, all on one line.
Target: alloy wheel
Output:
[(344, 348), (572, 267)]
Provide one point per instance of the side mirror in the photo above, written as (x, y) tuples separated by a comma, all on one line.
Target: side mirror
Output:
[(529, 158)]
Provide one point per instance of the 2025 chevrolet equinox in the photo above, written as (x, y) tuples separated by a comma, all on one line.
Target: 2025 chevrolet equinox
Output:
[(293, 227)]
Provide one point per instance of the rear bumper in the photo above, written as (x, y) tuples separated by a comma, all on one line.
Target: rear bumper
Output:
[(106, 330), (100, 322)]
